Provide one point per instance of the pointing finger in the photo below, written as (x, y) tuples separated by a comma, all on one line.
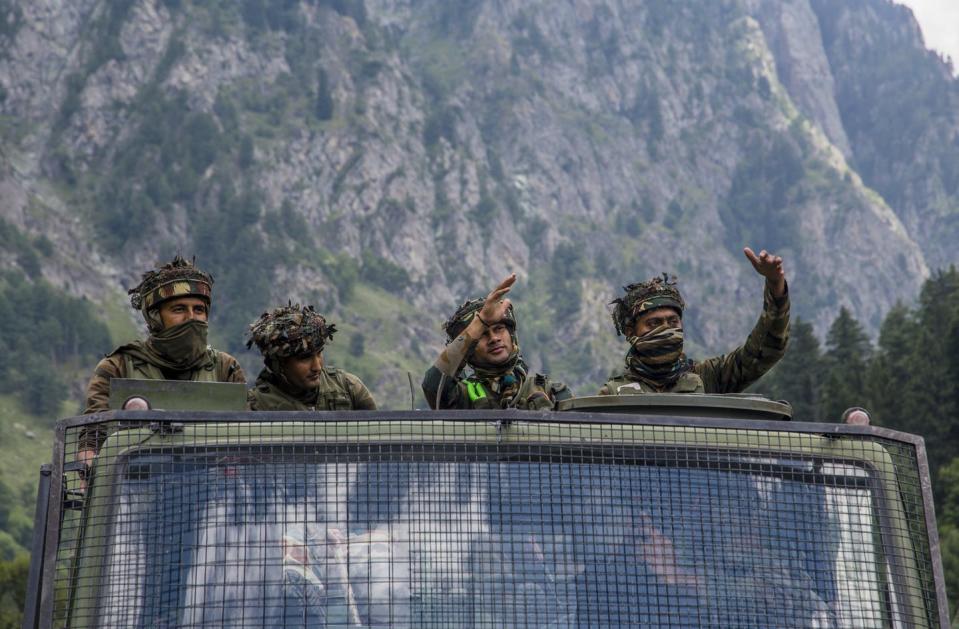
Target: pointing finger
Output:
[(509, 281)]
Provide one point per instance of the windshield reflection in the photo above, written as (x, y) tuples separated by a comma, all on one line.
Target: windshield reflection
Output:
[(204, 542)]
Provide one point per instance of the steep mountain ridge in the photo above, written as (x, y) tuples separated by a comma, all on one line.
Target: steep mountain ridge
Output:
[(420, 150)]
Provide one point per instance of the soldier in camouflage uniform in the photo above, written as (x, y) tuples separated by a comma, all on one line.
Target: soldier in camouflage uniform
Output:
[(174, 300), (650, 316), (482, 334), (291, 340)]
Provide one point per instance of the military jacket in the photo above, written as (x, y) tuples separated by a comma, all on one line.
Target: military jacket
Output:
[(337, 391), (536, 392), (732, 372), (118, 364), (689, 382)]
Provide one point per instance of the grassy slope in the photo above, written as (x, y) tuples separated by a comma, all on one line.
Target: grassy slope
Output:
[(20, 458), (22, 454), (383, 366)]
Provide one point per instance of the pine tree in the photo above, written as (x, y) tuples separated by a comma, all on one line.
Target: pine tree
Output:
[(933, 368), (845, 360), (798, 376), (890, 378)]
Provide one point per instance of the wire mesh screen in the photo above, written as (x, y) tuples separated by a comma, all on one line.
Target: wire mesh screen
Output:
[(473, 524)]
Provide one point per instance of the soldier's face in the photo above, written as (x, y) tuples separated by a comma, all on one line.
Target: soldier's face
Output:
[(303, 371), (183, 309), (495, 346), (652, 319)]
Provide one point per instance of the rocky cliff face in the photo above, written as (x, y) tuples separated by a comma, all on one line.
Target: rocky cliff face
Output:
[(385, 159)]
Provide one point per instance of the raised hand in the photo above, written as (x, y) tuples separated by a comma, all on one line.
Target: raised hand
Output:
[(769, 266), (495, 306)]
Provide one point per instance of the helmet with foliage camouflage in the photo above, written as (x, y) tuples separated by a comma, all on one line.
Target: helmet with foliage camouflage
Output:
[(178, 278), (659, 292), (465, 313), (293, 330)]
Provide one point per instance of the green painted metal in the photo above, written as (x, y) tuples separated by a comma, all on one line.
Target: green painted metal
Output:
[(682, 404)]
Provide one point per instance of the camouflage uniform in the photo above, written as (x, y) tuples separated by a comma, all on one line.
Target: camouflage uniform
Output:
[(337, 391), (728, 373), (141, 359), (506, 386), (300, 331)]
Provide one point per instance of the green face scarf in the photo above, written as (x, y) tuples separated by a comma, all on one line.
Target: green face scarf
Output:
[(657, 357), (182, 347)]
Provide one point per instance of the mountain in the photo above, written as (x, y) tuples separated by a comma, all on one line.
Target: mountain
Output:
[(385, 159)]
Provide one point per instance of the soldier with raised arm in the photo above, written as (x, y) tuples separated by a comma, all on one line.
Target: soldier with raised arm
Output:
[(294, 376), (650, 315), (481, 335), (174, 300)]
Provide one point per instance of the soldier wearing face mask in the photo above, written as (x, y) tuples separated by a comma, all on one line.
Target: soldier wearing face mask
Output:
[(650, 315), (174, 300)]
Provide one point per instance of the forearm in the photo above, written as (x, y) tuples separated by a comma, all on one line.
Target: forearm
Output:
[(764, 347), (771, 333), (453, 356)]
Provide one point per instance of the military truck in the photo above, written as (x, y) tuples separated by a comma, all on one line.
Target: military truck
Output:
[(652, 511)]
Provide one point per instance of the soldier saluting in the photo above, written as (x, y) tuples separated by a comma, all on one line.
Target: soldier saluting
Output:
[(294, 377), (481, 334), (650, 315), (174, 300)]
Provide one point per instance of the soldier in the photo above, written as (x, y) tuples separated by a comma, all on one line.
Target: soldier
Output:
[(650, 315), (175, 303), (291, 340), (482, 334)]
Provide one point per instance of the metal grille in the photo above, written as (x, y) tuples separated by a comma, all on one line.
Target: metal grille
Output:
[(406, 521)]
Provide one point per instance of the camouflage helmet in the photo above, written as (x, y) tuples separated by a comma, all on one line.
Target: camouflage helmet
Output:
[(659, 292), (292, 330), (465, 313), (178, 278)]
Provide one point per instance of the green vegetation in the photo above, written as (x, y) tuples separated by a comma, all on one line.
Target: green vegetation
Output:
[(758, 207), (566, 272), (324, 99), (11, 16), (27, 251), (374, 309), (383, 273), (646, 113), (13, 590), (26, 443), (44, 329), (272, 14)]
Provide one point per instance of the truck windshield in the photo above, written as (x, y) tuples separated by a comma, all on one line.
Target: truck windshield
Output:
[(568, 539)]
